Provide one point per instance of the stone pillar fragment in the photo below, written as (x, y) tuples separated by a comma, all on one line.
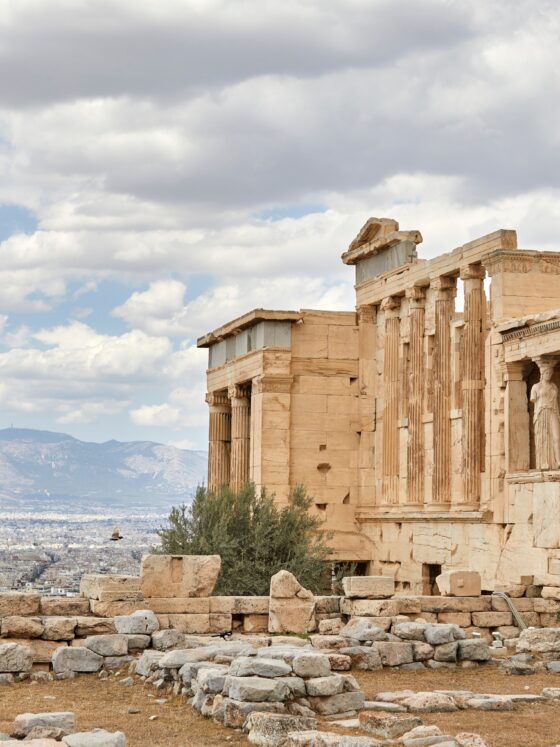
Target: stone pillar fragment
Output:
[(390, 469), (445, 288), (240, 399), (219, 440), (415, 446), (472, 383)]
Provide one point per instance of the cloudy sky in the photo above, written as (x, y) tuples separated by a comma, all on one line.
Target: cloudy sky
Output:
[(166, 166)]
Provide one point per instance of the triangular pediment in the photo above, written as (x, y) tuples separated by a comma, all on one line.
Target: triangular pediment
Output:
[(373, 230)]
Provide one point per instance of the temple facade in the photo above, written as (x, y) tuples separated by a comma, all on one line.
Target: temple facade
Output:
[(425, 424)]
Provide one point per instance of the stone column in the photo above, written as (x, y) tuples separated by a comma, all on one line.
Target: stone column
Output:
[(240, 398), (367, 348), (219, 440), (516, 418), (472, 384), (390, 471), (445, 288), (415, 446)]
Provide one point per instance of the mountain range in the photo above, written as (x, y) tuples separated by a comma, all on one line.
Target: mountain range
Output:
[(45, 469)]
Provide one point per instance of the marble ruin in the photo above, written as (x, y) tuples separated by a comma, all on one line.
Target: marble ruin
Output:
[(425, 424)]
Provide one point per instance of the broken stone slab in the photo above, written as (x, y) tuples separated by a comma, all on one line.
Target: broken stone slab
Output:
[(370, 607), (96, 738), (410, 631), (94, 626), (76, 659), (327, 739), (114, 644), (24, 723), (257, 689), (459, 583), (110, 588), (363, 629), (520, 664), (430, 702), (446, 652), (388, 726), (368, 587), (466, 739), (15, 658), (293, 615), (481, 702), (147, 662), (379, 705), (340, 662), (245, 666), (211, 679), (164, 640), (234, 713), (179, 576), (142, 622), (437, 633), (341, 703), (324, 686), (239, 605), (272, 729), (540, 640)]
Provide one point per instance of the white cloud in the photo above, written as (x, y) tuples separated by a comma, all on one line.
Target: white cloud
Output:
[(185, 407)]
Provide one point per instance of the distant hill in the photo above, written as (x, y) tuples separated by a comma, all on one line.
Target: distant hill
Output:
[(53, 468)]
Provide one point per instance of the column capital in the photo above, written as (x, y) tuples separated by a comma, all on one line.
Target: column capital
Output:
[(472, 272), (239, 392), (416, 296), (514, 370), (445, 287), (217, 399), (274, 384), (390, 306), (367, 314)]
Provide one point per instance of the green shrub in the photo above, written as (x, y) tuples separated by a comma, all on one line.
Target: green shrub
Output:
[(254, 537)]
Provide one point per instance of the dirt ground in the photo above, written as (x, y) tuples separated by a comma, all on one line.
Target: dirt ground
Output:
[(105, 704), (527, 726)]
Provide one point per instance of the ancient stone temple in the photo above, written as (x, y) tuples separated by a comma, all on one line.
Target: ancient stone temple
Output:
[(426, 424)]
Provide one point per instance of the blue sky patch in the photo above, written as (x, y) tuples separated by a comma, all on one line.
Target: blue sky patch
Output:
[(296, 210), (16, 219)]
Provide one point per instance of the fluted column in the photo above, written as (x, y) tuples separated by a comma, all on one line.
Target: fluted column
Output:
[(240, 399), (472, 383), (390, 306), (445, 288), (415, 445), (219, 440)]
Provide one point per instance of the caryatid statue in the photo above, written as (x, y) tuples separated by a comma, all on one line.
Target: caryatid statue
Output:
[(546, 418)]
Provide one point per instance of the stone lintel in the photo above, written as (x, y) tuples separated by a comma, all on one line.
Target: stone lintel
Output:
[(247, 320)]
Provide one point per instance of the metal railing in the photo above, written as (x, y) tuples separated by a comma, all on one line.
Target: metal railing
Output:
[(516, 616)]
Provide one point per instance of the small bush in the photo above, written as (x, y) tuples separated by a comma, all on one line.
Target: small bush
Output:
[(254, 537)]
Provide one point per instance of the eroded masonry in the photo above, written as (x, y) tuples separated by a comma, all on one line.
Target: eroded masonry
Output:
[(426, 424)]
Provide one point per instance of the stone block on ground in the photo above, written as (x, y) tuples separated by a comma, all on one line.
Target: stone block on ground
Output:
[(142, 622), (473, 649), (179, 575), (24, 723), (239, 605), (364, 658), (291, 608), (17, 626), (15, 658), (543, 640), (94, 626), (257, 689), (395, 654), (388, 726), (164, 640), (328, 739), (410, 631), (430, 702), (235, 712), (436, 634), (341, 703), (363, 629), (271, 729), (76, 659), (96, 738), (311, 665), (459, 583), (368, 587), (64, 606), (246, 666), (59, 628), (108, 645), (19, 603), (255, 623)]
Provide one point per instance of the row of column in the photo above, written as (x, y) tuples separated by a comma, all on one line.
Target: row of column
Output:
[(435, 397), (229, 437)]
